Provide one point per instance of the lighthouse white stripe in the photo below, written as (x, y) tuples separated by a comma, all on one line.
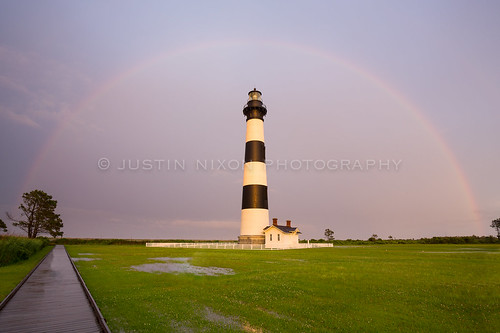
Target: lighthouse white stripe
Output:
[(255, 130), (254, 173), (253, 221)]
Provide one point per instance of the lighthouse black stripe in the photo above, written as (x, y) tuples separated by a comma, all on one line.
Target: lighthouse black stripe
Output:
[(255, 151), (252, 113), (254, 196), (255, 109)]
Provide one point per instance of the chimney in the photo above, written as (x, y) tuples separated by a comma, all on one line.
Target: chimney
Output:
[(289, 223), (275, 221)]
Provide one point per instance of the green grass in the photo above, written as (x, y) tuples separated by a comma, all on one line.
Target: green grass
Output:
[(365, 289), (11, 275)]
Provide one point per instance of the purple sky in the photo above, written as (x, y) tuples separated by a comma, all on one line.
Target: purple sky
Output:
[(382, 116)]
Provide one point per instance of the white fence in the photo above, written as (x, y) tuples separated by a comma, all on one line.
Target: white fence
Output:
[(236, 246)]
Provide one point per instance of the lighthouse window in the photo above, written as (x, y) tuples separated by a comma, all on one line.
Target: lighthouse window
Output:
[(271, 237), (278, 237)]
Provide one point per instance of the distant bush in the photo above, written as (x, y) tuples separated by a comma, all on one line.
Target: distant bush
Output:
[(110, 241), (15, 249), (460, 240), (97, 241), (434, 240)]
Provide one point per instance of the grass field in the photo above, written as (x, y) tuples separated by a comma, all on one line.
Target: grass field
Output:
[(11, 275), (424, 288)]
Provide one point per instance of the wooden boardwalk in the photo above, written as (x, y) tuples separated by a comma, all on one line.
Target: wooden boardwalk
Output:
[(51, 300)]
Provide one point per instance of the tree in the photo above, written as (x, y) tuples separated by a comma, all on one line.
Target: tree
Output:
[(373, 238), (329, 235), (495, 224), (39, 217), (3, 226)]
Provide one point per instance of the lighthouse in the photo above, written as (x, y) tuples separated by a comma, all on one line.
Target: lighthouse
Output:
[(254, 207)]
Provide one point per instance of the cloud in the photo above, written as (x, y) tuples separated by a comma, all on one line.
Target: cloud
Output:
[(9, 83), (35, 91), (81, 222), (207, 224), (22, 119)]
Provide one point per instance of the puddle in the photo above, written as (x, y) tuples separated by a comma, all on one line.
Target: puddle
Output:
[(272, 313), (180, 265), (85, 259), (229, 321), (178, 326), (216, 317)]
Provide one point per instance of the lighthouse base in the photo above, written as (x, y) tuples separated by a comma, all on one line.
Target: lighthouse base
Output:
[(252, 239)]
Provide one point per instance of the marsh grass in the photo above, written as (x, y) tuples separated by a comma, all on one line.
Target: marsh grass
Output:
[(11, 275), (14, 249), (369, 289)]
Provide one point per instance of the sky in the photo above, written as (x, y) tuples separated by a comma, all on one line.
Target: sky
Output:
[(382, 118)]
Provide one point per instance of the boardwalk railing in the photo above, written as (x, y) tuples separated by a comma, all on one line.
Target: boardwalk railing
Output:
[(236, 246), (93, 304)]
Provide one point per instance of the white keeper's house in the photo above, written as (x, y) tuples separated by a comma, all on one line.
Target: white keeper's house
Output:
[(280, 236)]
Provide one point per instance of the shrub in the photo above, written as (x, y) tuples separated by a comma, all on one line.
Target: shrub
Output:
[(15, 249)]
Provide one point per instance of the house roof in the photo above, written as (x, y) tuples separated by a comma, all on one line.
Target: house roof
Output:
[(285, 229)]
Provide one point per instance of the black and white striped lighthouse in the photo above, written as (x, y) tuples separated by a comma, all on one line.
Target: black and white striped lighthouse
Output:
[(254, 208)]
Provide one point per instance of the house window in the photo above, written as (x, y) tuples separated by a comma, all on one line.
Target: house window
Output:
[(270, 237), (278, 237)]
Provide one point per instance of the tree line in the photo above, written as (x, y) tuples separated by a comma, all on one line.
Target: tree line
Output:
[(432, 240), (375, 239)]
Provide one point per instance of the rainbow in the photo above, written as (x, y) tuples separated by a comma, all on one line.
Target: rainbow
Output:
[(179, 51)]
